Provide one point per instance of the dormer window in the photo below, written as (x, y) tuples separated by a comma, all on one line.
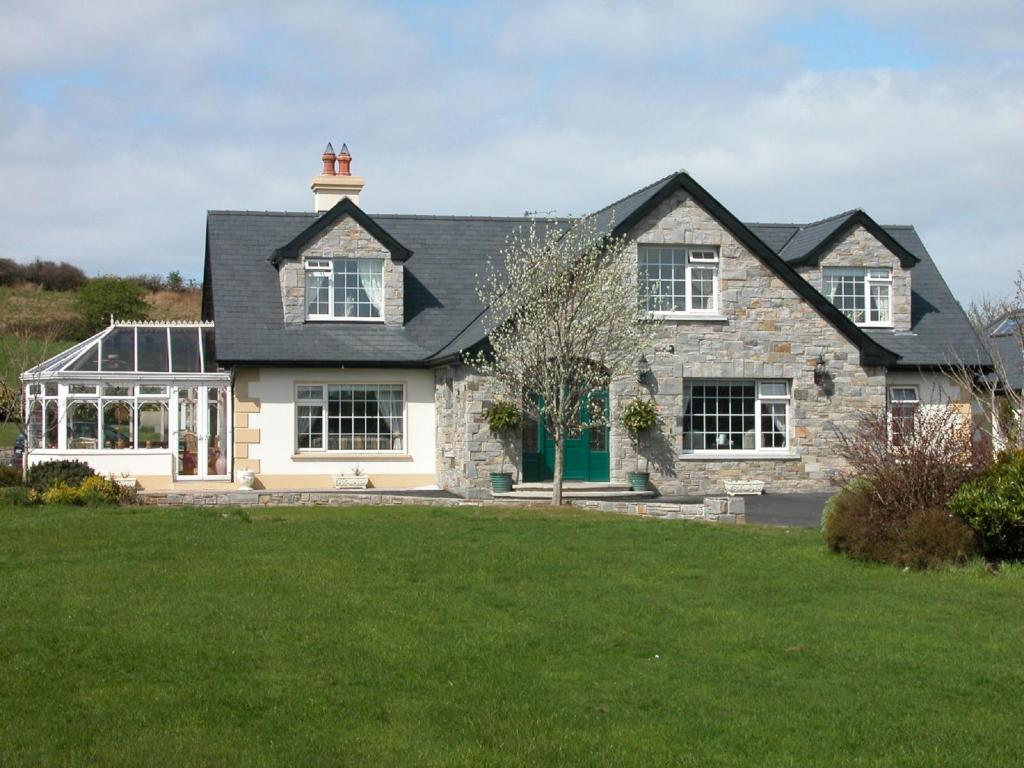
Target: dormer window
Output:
[(679, 280), (863, 294), (344, 289)]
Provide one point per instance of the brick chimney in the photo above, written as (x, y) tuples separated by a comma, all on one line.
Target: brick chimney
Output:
[(334, 183)]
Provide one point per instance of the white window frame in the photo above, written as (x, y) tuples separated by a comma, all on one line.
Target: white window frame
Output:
[(759, 398), (697, 256), (322, 401), (872, 277), (890, 417), (325, 264)]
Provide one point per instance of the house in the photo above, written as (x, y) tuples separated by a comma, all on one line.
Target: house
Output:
[(333, 341)]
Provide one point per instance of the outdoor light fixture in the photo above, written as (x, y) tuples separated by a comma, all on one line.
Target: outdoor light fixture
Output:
[(642, 369), (820, 371)]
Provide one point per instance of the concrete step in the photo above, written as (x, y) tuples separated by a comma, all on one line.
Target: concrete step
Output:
[(540, 493), (573, 486)]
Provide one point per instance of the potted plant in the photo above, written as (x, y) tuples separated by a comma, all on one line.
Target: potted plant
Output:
[(503, 418), (639, 417)]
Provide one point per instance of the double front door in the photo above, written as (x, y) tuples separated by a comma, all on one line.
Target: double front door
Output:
[(586, 451), (202, 452)]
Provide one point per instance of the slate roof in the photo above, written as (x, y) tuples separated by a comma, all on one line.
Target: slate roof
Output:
[(443, 314), (1007, 347)]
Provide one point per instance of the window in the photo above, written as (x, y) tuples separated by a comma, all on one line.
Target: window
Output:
[(43, 416), (344, 289), (1007, 327), (679, 280), (734, 415), (863, 295), (350, 417), (118, 417), (903, 404)]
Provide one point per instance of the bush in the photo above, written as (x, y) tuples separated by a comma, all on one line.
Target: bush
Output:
[(503, 418), (993, 505), (856, 524), (639, 416), (102, 297), (10, 477), (93, 491), (53, 276), (10, 272), (17, 496), (45, 475)]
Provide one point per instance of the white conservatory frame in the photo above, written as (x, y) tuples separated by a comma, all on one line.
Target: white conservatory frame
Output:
[(88, 365)]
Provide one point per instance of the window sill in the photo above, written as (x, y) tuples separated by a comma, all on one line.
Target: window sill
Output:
[(878, 326), (690, 317), (738, 456), (350, 456), (344, 320)]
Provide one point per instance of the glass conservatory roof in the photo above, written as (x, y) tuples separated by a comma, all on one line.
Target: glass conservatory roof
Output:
[(145, 348)]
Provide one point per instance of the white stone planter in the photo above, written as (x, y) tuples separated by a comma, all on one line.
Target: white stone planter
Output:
[(246, 478), (127, 482), (351, 481), (744, 487)]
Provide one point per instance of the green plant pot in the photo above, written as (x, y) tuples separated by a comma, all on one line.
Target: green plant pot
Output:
[(501, 482), (638, 481)]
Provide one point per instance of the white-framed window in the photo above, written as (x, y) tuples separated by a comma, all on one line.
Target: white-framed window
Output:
[(903, 404), (679, 279), (118, 417), (862, 294), (736, 415), (43, 416), (354, 418), (340, 288)]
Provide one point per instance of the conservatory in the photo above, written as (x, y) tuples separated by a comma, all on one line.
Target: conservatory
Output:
[(141, 400)]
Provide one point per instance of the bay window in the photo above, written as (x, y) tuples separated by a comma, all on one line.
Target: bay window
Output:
[(356, 418), (862, 294), (344, 289), (678, 279), (736, 415)]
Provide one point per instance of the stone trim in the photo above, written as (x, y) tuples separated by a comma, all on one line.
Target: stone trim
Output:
[(245, 407)]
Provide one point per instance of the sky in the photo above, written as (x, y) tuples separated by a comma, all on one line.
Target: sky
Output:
[(122, 123)]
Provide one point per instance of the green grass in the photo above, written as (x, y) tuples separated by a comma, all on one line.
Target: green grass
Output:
[(422, 637)]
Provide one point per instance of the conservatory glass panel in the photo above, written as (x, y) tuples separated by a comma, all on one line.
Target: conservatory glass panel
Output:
[(209, 351), (154, 425), (35, 424), (52, 414), (185, 350), (87, 362), (153, 350), (118, 425), (83, 425), (117, 350)]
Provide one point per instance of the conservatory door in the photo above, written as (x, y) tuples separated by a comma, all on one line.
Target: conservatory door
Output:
[(202, 434)]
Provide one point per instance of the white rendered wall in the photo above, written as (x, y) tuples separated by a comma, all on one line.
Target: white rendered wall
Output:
[(276, 449), (116, 463), (933, 387)]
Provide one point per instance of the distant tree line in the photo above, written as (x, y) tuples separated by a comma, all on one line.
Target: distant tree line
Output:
[(62, 276)]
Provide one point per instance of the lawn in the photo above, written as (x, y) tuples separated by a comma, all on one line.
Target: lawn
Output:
[(480, 637)]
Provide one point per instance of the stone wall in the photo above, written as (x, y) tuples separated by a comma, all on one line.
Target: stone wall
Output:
[(769, 332), (345, 239), (467, 452), (245, 436), (861, 249)]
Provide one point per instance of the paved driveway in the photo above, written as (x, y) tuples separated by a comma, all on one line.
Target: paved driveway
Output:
[(802, 510)]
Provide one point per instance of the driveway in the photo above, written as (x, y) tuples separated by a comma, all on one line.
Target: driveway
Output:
[(801, 510)]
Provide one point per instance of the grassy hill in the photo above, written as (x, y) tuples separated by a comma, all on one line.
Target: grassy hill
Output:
[(44, 315)]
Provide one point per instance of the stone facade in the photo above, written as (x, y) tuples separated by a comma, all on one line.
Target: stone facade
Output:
[(345, 239), (467, 451), (861, 249), (769, 332), (245, 436)]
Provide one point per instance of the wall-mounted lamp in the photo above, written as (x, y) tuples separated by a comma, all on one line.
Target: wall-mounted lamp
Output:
[(643, 368), (820, 371)]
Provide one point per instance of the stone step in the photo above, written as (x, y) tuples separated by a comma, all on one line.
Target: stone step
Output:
[(573, 486), (540, 493)]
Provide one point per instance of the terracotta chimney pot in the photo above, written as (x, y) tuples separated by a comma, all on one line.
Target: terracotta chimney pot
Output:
[(329, 157), (344, 161)]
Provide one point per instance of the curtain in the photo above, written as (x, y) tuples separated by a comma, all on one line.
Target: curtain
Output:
[(371, 279)]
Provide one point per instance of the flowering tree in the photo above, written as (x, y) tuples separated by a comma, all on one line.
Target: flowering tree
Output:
[(564, 316)]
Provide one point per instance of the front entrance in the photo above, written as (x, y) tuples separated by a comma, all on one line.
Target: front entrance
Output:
[(586, 452), (202, 419)]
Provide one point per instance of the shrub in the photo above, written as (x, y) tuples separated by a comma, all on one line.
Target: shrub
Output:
[(102, 297), (855, 524), (17, 496), (10, 477), (175, 282), (93, 491), (43, 476), (61, 493), (993, 505), (54, 276), (503, 418), (639, 416), (10, 272)]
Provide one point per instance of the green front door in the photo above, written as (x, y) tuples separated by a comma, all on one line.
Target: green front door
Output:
[(586, 453)]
